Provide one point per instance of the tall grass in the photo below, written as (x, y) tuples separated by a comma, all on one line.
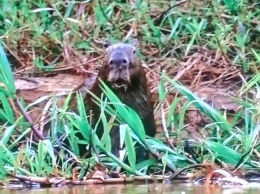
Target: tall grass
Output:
[(42, 36)]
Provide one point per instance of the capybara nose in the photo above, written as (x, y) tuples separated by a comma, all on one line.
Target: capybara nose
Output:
[(119, 62)]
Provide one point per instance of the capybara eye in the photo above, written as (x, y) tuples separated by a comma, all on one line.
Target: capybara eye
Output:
[(134, 51), (111, 62), (124, 61), (107, 43)]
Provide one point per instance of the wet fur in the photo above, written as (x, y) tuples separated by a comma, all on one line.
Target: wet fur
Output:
[(136, 95)]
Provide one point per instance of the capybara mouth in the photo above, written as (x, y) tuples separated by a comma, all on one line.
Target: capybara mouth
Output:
[(120, 83)]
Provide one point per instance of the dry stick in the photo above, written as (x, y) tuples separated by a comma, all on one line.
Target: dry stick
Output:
[(13, 54), (104, 14), (169, 8), (40, 180), (27, 118), (186, 168), (80, 65)]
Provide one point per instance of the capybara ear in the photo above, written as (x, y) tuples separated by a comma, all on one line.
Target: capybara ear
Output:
[(107, 43), (135, 42)]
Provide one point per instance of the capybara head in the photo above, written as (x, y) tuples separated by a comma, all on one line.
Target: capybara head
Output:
[(122, 62)]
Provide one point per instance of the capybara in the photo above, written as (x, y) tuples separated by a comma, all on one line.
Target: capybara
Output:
[(123, 73)]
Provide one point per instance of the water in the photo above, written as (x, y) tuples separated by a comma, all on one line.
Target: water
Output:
[(184, 188)]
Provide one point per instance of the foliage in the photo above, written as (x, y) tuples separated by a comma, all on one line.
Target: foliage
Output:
[(47, 35)]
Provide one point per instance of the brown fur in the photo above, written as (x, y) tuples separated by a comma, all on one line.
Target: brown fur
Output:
[(123, 73)]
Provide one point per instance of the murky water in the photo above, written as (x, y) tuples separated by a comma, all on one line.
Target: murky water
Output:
[(187, 188)]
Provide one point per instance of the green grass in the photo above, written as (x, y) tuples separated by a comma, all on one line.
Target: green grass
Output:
[(39, 37)]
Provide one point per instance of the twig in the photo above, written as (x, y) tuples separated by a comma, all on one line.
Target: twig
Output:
[(28, 118), (186, 168), (169, 8), (104, 14), (36, 131)]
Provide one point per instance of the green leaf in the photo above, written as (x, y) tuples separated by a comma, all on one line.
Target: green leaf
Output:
[(40, 156), (66, 103), (171, 114), (3, 115), (232, 5), (161, 89), (7, 134), (164, 161), (49, 149), (81, 106), (122, 129), (8, 111), (130, 148), (126, 113), (80, 124), (6, 155), (136, 124), (18, 139), (257, 56), (146, 163), (105, 139), (182, 116), (212, 113), (223, 152), (4, 91), (69, 9), (6, 72)]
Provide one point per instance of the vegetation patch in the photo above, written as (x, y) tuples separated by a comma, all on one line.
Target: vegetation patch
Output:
[(201, 60)]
